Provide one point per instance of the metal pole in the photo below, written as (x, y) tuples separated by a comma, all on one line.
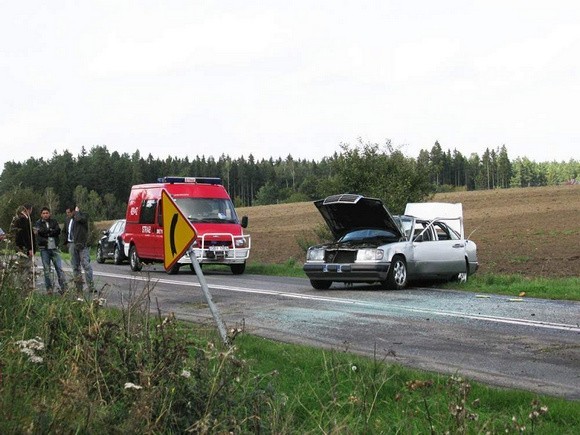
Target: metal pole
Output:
[(212, 307)]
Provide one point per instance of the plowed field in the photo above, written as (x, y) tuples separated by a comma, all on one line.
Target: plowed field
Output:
[(533, 231)]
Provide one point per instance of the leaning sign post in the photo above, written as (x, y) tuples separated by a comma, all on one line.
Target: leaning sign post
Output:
[(178, 235)]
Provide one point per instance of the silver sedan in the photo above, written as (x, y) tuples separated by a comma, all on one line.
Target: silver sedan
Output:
[(373, 246)]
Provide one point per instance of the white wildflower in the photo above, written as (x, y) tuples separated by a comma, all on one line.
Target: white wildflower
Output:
[(33, 343), (132, 386), (354, 368), (27, 351), (186, 374), (30, 347)]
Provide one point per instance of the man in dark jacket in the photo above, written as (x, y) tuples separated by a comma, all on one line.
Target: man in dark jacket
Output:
[(47, 231), (76, 232), (22, 227)]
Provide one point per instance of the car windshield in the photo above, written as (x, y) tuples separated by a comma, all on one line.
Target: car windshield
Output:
[(405, 224), (207, 209), (369, 234)]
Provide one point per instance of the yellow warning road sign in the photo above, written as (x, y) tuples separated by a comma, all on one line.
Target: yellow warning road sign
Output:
[(178, 233)]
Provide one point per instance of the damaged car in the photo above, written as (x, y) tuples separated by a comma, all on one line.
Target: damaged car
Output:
[(373, 246)]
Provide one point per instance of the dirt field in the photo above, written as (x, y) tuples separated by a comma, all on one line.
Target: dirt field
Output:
[(532, 232)]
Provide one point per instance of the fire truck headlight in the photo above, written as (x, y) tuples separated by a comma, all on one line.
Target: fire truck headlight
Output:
[(241, 243)]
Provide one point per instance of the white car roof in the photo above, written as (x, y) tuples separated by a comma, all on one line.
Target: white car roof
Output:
[(450, 213)]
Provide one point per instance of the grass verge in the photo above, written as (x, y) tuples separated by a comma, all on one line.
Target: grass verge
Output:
[(515, 285)]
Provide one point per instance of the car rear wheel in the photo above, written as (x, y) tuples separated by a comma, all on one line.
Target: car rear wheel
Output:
[(100, 258), (238, 269), (463, 276), (134, 260), (320, 284), (117, 256), (397, 277)]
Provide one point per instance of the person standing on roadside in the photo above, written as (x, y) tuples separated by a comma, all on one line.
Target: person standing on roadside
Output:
[(47, 231), (76, 232), (21, 227)]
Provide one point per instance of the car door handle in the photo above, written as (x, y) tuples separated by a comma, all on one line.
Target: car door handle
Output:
[(459, 245)]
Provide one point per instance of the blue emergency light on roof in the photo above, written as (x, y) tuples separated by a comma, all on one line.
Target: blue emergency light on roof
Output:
[(204, 180)]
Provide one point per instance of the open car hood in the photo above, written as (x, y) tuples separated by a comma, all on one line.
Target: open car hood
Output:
[(347, 212)]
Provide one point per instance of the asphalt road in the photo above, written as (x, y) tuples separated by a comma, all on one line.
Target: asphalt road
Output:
[(522, 343)]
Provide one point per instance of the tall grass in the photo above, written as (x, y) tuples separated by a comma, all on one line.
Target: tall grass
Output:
[(338, 392), (68, 364)]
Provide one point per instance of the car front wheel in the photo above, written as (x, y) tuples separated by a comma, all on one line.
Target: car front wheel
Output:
[(100, 258), (134, 260), (320, 284), (238, 269), (117, 256), (397, 277)]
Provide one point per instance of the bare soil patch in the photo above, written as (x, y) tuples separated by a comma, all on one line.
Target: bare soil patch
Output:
[(532, 231)]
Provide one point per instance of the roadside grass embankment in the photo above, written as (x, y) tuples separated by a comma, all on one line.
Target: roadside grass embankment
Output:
[(519, 286), (74, 365)]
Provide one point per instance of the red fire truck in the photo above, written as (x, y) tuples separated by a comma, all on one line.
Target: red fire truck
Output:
[(206, 203)]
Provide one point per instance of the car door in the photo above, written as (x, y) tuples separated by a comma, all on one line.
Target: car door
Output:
[(425, 255), (452, 248), (150, 244), (109, 244), (119, 237), (433, 256)]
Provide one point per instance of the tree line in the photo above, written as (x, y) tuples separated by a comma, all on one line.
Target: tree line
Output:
[(100, 180)]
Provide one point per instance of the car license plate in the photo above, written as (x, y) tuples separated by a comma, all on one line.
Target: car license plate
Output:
[(219, 248)]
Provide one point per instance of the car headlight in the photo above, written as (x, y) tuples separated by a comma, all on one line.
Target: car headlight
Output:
[(369, 254), (241, 243), (315, 254)]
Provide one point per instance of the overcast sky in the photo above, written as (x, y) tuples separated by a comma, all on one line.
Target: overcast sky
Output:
[(272, 78)]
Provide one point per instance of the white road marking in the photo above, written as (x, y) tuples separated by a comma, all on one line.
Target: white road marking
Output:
[(496, 319)]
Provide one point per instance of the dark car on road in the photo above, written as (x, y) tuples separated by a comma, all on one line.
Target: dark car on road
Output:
[(110, 246)]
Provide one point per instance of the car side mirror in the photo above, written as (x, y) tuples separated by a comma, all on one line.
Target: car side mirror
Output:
[(244, 221)]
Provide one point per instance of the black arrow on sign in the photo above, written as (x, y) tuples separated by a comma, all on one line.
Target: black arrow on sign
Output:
[(172, 234)]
